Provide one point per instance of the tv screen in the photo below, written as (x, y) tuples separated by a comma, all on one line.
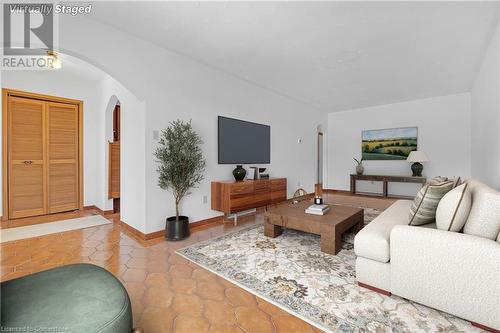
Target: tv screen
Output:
[(243, 142)]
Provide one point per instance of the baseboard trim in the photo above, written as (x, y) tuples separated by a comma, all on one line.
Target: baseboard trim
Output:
[(102, 212), (380, 291), (139, 234), (161, 233), (486, 328), (142, 236), (212, 220), (331, 190)]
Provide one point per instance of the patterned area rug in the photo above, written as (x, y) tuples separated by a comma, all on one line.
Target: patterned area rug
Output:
[(291, 272)]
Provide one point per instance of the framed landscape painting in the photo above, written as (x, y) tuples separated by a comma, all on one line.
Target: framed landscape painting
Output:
[(388, 144)]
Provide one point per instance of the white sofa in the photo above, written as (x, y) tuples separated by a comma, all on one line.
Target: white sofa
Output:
[(458, 273)]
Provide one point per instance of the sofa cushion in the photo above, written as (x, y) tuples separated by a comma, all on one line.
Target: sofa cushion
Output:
[(484, 216), (76, 298), (372, 242), (453, 209), (423, 208)]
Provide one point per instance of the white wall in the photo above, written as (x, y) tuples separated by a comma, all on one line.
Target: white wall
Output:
[(97, 128), (132, 156), (172, 87), (443, 134), (201, 94), (485, 117), (59, 83)]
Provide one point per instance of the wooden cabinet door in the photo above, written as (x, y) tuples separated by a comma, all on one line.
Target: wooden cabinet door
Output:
[(114, 170), (63, 163), (26, 163)]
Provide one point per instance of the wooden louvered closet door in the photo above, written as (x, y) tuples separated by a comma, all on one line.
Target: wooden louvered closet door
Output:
[(62, 145), (43, 156), (26, 150)]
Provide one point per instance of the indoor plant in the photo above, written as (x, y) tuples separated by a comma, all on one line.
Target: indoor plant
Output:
[(181, 167), (359, 167)]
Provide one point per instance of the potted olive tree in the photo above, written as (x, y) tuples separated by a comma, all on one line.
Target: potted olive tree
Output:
[(181, 167)]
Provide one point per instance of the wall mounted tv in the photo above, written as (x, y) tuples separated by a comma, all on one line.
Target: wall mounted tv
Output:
[(243, 142)]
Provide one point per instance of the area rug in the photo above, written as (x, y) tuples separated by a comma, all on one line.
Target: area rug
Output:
[(37, 230), (291, 272)]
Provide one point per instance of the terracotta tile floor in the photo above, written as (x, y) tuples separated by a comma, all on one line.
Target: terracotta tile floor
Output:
[(168, 293)]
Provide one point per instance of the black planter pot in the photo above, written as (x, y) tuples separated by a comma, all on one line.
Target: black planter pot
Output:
[(177, 229), (239, 173)]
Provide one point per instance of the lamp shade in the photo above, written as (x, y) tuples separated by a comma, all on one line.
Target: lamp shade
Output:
[(417, 156)]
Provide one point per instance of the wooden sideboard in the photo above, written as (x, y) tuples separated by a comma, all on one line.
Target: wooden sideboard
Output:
[(232, 196), (385, 181)]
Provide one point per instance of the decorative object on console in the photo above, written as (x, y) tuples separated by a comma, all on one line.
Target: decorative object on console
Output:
[(263, 175), (181, 168), (389, 144), (423, 208), (254, 173), (318, 200), (299, 195), (453, 209), (239, 173), (257, 173), (359, 167), (417, 157)]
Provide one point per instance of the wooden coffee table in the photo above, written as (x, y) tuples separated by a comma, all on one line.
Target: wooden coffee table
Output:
[(330, 226)]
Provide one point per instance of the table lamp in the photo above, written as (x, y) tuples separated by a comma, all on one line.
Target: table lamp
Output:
[(417, 157)]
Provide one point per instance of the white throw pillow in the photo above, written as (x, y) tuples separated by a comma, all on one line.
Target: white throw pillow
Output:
[(453, 209), (484, 216)]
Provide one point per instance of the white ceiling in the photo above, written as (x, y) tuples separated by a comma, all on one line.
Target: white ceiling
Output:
[(80, 70), (333, 55)]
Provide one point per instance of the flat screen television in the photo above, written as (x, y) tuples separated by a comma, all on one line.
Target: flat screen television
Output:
[(243, 142)]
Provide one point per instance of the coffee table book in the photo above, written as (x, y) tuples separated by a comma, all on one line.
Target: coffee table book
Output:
[(317, 209)]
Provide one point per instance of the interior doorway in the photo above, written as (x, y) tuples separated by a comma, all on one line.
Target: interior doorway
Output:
[(114, 162), (42, 154)]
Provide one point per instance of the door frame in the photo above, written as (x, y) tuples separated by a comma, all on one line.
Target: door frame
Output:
[(6, 93)]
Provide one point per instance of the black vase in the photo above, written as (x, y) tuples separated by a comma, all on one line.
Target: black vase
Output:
[(177, 229), (239, 173)]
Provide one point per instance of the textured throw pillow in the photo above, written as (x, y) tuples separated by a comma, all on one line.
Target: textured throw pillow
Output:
[(453, 209), (437, 180), (423, 208), (484, 216)]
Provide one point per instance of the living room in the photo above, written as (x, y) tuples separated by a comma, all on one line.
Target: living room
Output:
[(318, 95)]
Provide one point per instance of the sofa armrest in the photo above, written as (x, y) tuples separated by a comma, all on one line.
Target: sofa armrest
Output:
[(453, 272)]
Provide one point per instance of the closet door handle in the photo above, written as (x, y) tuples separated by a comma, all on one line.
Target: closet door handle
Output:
[(28, 162)]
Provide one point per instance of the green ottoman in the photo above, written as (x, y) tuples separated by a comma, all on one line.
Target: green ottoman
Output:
[(74, 298)]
